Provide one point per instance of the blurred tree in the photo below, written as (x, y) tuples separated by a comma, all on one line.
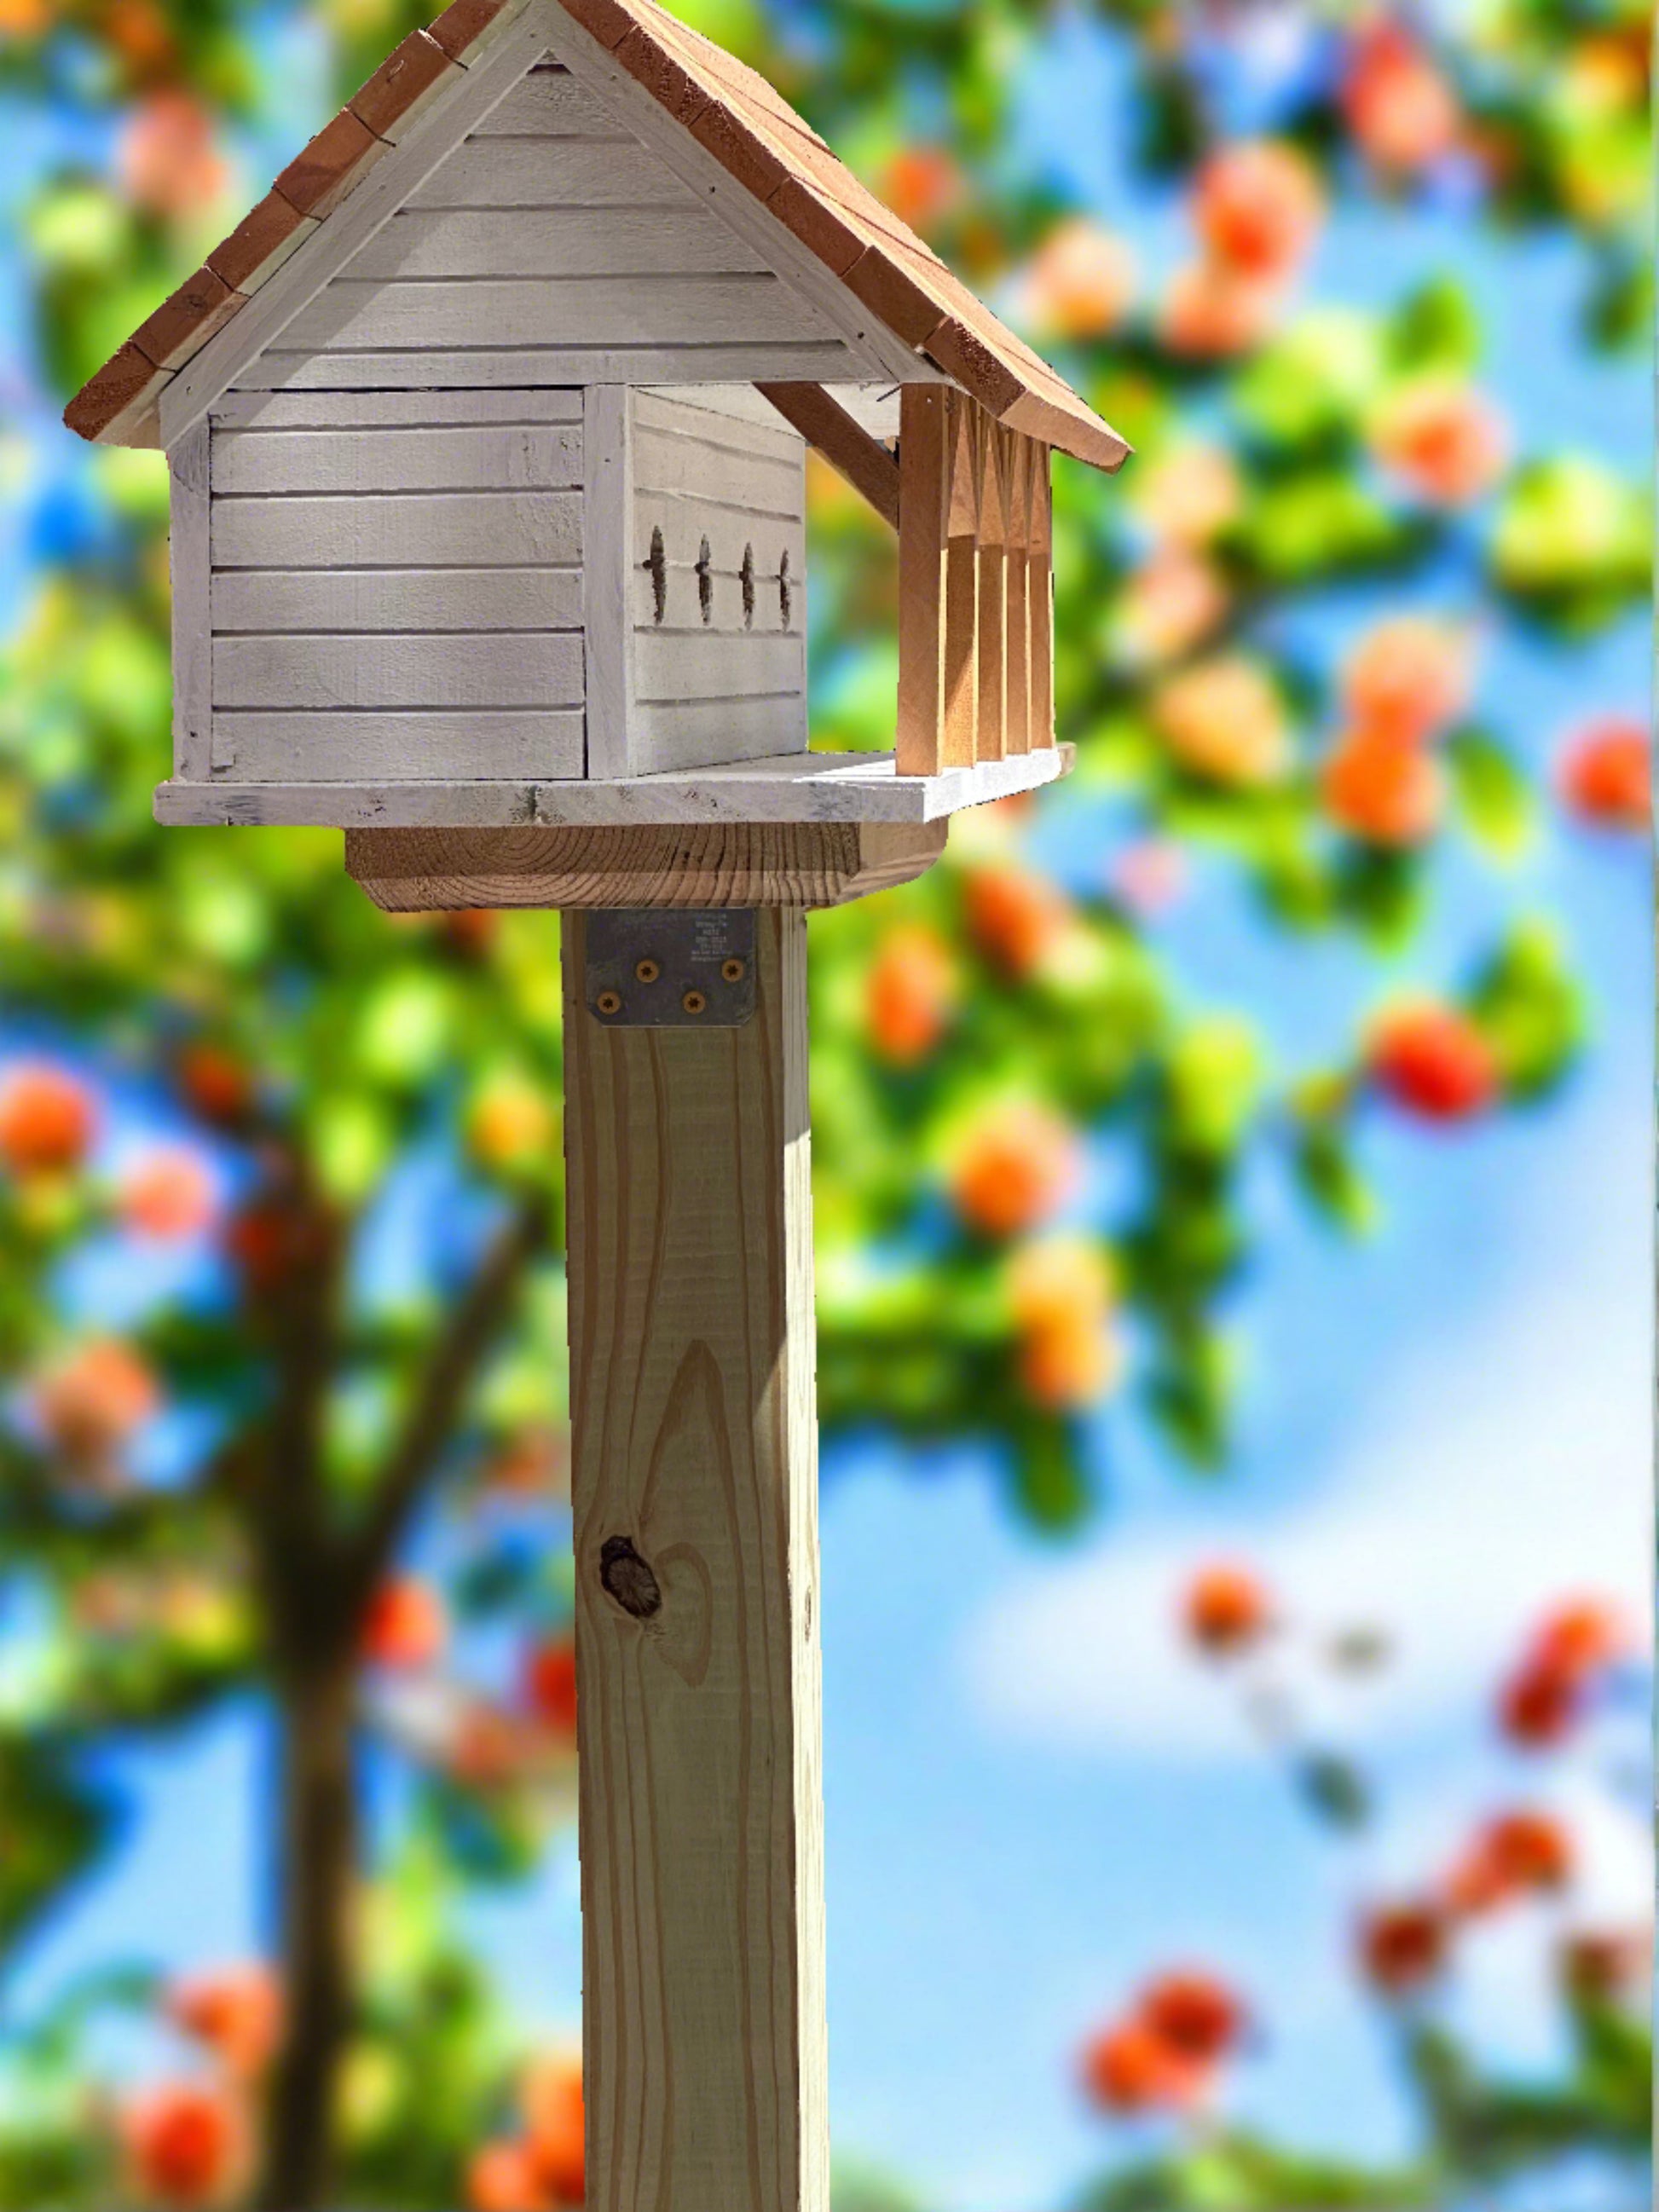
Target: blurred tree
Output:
[(242, 1388)]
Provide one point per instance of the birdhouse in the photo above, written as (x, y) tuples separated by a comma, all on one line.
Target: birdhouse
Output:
[(487, 429)]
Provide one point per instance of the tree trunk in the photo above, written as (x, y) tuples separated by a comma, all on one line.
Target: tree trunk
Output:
[(318, 1882)]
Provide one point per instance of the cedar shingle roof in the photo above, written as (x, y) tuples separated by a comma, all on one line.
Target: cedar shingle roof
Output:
[(733, 112)]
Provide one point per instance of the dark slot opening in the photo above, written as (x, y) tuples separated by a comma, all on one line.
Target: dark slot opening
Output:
[(657, 562), (706, 583), (746, 577), (786, 593)]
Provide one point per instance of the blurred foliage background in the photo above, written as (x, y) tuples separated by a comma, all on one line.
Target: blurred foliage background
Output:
[(280, 1291)]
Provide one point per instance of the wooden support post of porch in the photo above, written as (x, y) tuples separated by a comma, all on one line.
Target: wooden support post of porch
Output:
[(695, 1493)]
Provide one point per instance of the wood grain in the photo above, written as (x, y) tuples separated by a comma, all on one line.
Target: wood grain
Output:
[(435, 600), (497, 458), (606, 241), (278, 369), (695, 1450), (924, 470), (668, 311), (485, 530), (805, 864), (391, 410), (527, 668), (607, 633), (867, 466), (294, 751), (990, 719), (188, 560)]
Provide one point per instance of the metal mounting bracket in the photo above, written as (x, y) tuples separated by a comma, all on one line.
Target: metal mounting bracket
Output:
[(670, 967)]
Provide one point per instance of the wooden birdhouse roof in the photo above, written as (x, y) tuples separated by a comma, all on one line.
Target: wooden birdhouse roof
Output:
[(733, 113)]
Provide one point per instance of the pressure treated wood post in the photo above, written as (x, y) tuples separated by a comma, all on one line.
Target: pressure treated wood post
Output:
[(694, 1493)]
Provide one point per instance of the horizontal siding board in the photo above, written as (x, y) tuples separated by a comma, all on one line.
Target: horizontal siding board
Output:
[(439, 599), (530, 172), (549, 102), (554, 242), (530, 668), (547, 457), (682, 736), (396, 749), (419, 410), (683, 603), (670, 666), (723, 414), (673, 462), (585, 311), (685, 522), (468, 529), (810, 361)]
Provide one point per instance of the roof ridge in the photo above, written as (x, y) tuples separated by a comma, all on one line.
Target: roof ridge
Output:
[(729, 108)]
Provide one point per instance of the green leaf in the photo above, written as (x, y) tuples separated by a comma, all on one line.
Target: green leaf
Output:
[(1494, 794)]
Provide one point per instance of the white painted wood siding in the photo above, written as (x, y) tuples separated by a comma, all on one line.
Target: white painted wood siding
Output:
[(551, 245), (718, 645), (395, 586)]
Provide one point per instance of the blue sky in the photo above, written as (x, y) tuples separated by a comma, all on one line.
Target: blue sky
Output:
[(1032, 1797)]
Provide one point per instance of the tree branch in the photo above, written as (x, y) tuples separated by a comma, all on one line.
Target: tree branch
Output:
[(438, 1401)]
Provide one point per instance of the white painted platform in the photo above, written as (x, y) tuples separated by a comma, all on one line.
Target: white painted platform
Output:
[(790, 787)]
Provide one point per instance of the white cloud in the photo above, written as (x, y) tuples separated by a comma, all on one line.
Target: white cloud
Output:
[(1507, 1466)]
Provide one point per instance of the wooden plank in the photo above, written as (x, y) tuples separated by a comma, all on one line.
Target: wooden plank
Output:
[(468, 529), (545, 458), (480, 368), (797, 864), (565, 311), (606, 629), (549, 103), (923, 486), (695, 735), (733, 413), (608, 242), (1019, 454), (190, 510), (768, 484), (694, 1487), (528, 668), (877, 351), (671, 666), (958, 744), (867, 466), (1042, 603), (685, 522), (487, 77), (991, 723), (684, 601), (291, 749), (551, 172), (413, 410), (791, 787), (476, 600)]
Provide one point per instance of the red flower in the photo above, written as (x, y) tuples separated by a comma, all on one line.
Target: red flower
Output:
[(1604, 774), (1408, 679), (552, 2099), (405, 1625), (1015, 1166), (1383, 789), (1533, 1850), (166, 159), (1226, 1609), (1402, 1947), (1400, 109), (47, 1119), (1211, 313), (1257, 205), (1596, 1966), (1539, 1706), (1445, 441), (1131, 2069), (169, 1193), (1016, 917), (1195, 2014), (501, 2177), (550, 1684), (911, 994), (1582, 1637), (188, 2145), (218, 1086), (236, 2012), (1433, 1062), (93, 1401)]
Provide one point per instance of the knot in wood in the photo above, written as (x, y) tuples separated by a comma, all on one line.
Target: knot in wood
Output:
[(628, 1579)]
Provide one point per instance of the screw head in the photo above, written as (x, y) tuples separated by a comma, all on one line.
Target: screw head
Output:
[(647, 970), (694, 1002), (732, 971), (609, 1002)]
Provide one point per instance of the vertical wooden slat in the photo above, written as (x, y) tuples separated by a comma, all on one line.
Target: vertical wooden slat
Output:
[(991, 732), (962, 594), (607, 605), (1042, 592), (188, 557), (1019, 626), (694, 1479), (924, 491)]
